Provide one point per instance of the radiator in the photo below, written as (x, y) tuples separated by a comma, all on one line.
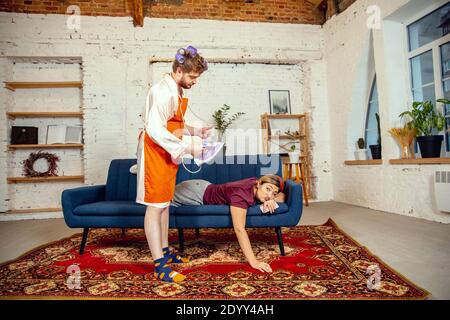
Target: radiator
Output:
[(442, 190)]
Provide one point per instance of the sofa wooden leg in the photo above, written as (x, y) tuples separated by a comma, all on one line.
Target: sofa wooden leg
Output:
[(197, 232), (124, 231), (280, 240), (181, 239), (84, 239)]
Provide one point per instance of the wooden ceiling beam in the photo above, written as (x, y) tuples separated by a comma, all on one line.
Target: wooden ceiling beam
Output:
[(138, 13), (315, 2)]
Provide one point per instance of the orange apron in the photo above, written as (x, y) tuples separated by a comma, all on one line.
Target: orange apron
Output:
[(160, 171)]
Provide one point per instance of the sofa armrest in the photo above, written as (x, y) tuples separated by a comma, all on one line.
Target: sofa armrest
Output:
[(72, 198), (294, 200)]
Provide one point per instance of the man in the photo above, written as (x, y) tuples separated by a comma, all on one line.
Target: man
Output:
[(160, 149)]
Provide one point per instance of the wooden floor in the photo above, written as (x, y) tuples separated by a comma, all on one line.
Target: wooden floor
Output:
[(418, 249)]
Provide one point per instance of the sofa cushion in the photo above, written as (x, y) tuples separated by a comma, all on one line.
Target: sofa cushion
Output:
[(231, 168), (218, 210), (121, 183), (131, 208), (111, 208)]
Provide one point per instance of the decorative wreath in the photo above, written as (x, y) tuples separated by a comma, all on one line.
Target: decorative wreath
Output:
[(28, 164)]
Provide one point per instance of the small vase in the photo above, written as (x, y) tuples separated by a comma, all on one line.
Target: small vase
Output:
[(221, 138), (294, 157), (361, 154), (375, 149), (407, 152)]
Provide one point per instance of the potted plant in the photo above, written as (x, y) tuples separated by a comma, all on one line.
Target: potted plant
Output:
[(427, 122), (361, 152), (221, 122), (375, 149), (294, 154)]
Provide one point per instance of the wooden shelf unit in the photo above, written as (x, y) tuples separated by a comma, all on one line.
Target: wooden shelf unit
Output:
[(363, 162), (421, 161), (14, 115), (44, 179), (303, 139), (13, 85), (39, 87), (46, 146)]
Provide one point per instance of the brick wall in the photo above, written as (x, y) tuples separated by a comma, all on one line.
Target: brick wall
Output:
[(281, 11), (89, 8), (116, 73)]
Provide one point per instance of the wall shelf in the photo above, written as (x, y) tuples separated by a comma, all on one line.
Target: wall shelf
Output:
[(14, 115), (41, 85), (285, 136), (46, 146), (363, 162), (44, 179), (302, 138), (421, 161)]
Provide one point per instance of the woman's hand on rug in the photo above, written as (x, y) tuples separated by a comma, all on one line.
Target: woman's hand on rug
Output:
[(261, 266)]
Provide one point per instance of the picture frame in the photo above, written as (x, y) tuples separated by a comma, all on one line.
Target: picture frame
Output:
[(280, 102)]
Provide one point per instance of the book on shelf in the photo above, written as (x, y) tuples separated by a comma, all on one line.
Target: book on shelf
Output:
[(63, 134)]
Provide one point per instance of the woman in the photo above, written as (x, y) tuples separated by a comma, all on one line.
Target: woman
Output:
[(239, 195)]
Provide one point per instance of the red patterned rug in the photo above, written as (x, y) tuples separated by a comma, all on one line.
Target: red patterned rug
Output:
[(321, 262)]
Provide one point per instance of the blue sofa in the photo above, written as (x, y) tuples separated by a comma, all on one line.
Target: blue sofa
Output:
[(112, 205)]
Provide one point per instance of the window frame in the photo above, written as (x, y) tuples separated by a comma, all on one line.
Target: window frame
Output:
[(435, 48), (369, 101)]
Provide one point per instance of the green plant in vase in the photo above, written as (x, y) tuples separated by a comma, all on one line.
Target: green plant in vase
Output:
[(294, 154), (361, 151), (427, 123), (222, 121)]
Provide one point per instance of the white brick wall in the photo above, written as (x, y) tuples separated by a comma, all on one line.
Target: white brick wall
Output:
[(44, 195), (330, 82), (244, 87), (116, 74), (406, 190), (5, 99)]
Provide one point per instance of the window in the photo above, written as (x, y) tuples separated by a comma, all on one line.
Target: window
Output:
[(445, 62), (429, 60), (371, 135), (429, 28), (422, 73)]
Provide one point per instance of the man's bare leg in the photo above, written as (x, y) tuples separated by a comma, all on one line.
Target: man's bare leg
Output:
[(153, 224), (165, 228), (152, 227)]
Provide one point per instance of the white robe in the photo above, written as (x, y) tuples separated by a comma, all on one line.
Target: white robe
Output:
[(161, 105)]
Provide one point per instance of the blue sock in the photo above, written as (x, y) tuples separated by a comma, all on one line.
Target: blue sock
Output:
[(165, 273), (172, 257)]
